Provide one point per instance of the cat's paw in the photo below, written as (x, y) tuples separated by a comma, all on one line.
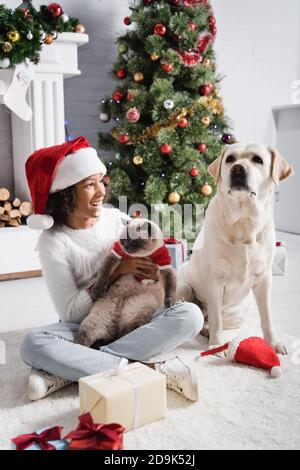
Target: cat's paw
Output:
[(170, 301), (98, 293)]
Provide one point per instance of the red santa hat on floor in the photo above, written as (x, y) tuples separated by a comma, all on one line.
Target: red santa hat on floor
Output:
[(53, 169), (253, 352)]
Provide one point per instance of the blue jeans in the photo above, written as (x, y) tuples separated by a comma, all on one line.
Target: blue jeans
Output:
[(52, 349)]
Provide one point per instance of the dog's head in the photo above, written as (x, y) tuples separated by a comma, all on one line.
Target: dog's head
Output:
[(249, 170), (141, 238)]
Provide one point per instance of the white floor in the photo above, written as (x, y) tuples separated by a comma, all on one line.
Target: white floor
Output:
[(26, 303)]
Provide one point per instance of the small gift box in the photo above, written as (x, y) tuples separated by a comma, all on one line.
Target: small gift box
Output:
[(44, 439), (178, 251), (280, 261), (132, 395), (92, 436)]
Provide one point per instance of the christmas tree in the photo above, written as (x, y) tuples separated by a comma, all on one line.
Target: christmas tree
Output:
[(170, 120)]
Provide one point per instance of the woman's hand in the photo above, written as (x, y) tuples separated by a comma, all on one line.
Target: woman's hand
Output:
[(143, 267)]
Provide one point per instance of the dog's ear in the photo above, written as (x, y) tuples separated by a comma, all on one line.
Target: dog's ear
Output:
[(281, 169), (215, 168)]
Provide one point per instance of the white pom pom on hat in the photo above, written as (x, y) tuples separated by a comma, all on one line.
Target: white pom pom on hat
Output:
[(53, 169)]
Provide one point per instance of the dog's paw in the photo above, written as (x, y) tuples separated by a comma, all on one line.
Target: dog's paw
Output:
[(280, 348)]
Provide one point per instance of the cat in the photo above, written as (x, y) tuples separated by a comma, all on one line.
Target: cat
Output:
[(131, 301)]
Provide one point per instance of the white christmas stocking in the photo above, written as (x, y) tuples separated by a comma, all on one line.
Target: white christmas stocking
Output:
[(15, 97)]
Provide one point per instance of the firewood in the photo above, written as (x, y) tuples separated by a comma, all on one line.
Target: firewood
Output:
[(13, 223), (16, 203), (4, 217), (4, 194), (13, 214), (2, 224), (7, 206), (26, 209), (2, 210)]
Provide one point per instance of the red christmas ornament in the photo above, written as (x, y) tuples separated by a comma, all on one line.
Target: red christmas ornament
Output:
[(206, 90), (133, 115), (212, 21), (123, 138), (167, 67), (194, 3), (166, 149), (136, 215), (55, 9), (194, 173), (175, 2), (183, 123), (130, 96), (121, 73), (192, 25), (118, 96), (202, 148), (128, 20), (160, 29), (213, 30)]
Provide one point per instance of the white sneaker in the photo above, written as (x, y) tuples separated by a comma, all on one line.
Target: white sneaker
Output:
[(181, 377), (41, 384)]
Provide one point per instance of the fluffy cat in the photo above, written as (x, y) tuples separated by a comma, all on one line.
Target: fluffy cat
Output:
[(130, 301)]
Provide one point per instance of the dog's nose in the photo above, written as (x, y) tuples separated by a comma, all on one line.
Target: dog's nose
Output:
[(239, 170)]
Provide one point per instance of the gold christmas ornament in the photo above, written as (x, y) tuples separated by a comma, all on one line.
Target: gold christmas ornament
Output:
[(138, 77), (154, 57), (79, 28), (138, 160), (207, 63), (48, 39), (7, 47), (14, 36), (206, 121), (213, 104), (206, 190), (174, 198)]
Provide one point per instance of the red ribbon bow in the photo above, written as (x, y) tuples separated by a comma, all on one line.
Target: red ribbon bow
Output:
[(26, 440), (91, 436), (174, 241)]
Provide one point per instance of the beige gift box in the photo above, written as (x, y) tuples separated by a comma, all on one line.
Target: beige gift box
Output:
[(132, 396)]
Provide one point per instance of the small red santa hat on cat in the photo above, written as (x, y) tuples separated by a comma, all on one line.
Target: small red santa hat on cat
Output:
[(53, 169)]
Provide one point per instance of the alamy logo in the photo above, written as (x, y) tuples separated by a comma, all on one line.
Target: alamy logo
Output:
[(296, 92), (2, 353)]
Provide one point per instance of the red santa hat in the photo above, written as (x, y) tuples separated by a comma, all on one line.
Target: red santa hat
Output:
[(53, 169), (253, 352)]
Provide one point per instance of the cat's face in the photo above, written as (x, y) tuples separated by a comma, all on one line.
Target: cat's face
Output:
[(141, 238)]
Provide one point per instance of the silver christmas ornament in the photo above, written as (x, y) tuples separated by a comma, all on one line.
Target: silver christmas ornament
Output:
[(29, 36), (65, 18), (104, 117), (169, 104), (4, 63)]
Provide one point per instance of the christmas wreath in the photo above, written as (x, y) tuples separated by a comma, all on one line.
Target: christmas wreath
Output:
[(25, 30)]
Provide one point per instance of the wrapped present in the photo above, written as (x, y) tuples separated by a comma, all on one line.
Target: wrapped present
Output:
[(92, 436), (178, 251), (44, 439), (132, 395), (280, 261)]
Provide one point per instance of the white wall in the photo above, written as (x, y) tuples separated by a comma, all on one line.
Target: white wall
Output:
[(257, 48)]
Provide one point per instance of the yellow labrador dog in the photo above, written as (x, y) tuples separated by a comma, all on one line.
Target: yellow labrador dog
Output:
[(234, 252)]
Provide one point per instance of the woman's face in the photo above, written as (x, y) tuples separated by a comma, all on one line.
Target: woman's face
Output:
[(90, 193)]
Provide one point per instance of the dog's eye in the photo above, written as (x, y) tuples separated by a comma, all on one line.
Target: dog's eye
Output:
[(258, 160), (230, 159)]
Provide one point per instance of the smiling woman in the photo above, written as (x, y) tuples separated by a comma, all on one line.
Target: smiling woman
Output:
[(79, 204)]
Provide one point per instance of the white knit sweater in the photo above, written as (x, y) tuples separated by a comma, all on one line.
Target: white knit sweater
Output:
[(71, 260)]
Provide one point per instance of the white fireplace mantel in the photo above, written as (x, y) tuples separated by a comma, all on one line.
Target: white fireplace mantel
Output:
[(46, 98)]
